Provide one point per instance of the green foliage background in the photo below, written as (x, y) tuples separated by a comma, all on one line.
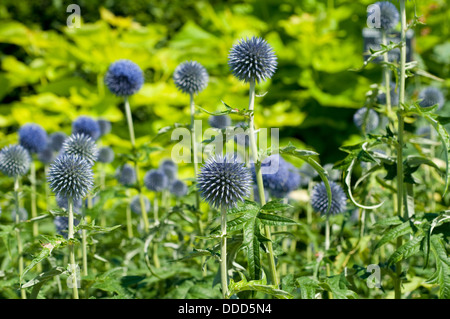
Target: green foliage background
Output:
[(51, 74)]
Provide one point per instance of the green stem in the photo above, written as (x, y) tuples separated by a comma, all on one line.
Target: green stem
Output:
[(387, 77), (72, 250), (259, 181), (136, 166), (33, 197), (400, 182), (194, 144), (223, 251), (19, 239), (156, 217)]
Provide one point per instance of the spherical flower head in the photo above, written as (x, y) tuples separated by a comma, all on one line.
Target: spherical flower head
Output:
[(56, 141), (14, 160), (156, 180), (369, 121), (46, 156), (105, 126), (190, 77), (63, 202), (135, 204), (124, 78), (319, 199), (219, 121), (223, 181), (71, 176), (81, 145), (169, 168), (282, 180), (252, 60), (431, 96), (178, 188), (62, 225), (33, 137), (105, 155), (126, 175), (87, 126), (389, 15)]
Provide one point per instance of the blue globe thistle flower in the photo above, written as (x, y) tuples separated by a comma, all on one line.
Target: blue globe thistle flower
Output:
[(87, 126), (106, 155), (156, 180), (389, 15), (126, 175), (63, 202), (219, 121), (319, 199), (223, 181), (178, 188), (23, 214), (46, 156), (370, 120), (105, 126), (252, 60), (242, 139), (62, 225), (135, 204), (71, 176), (56, 141), (282, 181), (33, 137), (14, 160), (124, 78), (81, 145), (381, 97), (169, 168), (190, 77), (431, 96)]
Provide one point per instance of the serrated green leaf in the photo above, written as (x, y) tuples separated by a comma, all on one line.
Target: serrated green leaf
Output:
[(275, 220), (410, 248), (308, 287), (275, 206), (393, 233), (256, 285), (442, 274)]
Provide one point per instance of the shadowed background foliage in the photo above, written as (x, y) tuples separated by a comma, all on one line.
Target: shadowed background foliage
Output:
[(51, 74)]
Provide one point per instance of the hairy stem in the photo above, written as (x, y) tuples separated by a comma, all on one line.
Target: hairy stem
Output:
[(72, 250), (18, 237), (33, 197), (259, 181), (223, 251)]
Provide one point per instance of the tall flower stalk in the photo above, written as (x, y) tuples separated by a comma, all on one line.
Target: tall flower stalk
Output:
[(253, 60)]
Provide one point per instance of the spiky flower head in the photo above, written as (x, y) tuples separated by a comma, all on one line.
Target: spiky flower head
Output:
[(178, 188), (190, 77), (156, 180), (431, 96), (87, 126), (126, 175), (105, 155), (124, 78), (284, 178), (63, 202), (105, 126), (71, 176), (81, 145), (62, 225), (252, 60), (56, 141), (14, 160), (319, 199), (219, 121), (46, 156), (368, 121), (135, 204), (389, 15), (224, 181), (33, 137), (169, 168)]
